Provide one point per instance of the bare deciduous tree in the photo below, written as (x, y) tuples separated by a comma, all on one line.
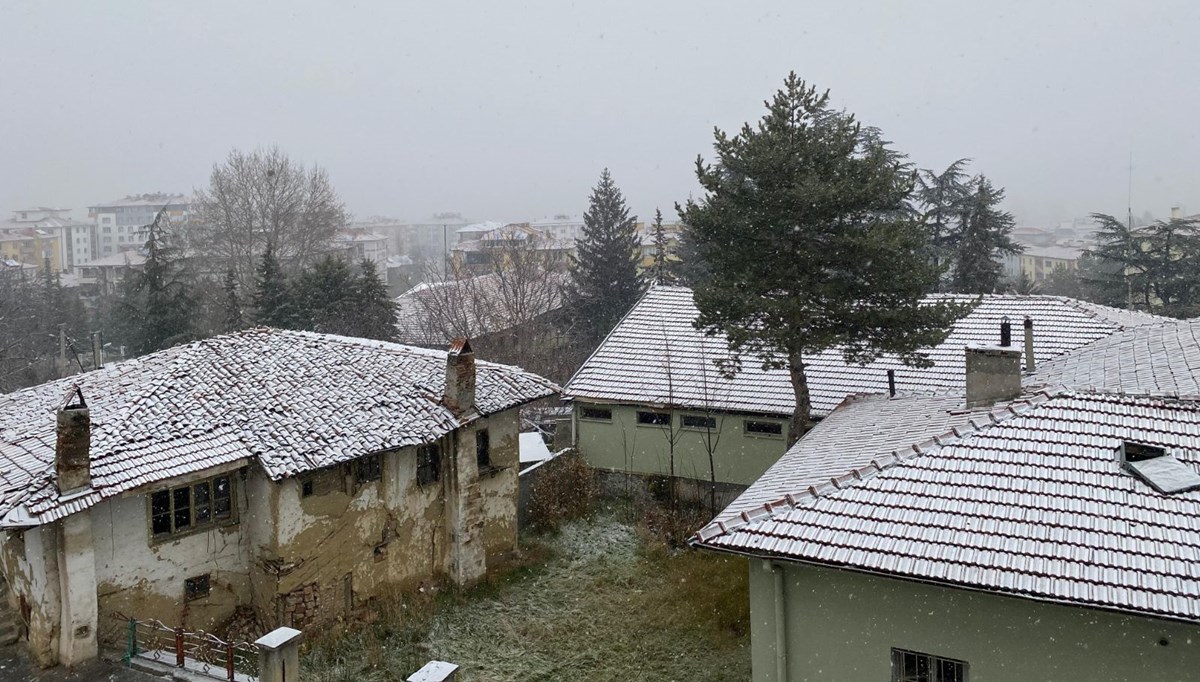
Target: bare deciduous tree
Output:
[(260, 198)]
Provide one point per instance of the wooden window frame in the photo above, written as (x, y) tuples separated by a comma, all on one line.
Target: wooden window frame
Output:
[(197, 587), (429, 458), (368, 468), (190, 499)]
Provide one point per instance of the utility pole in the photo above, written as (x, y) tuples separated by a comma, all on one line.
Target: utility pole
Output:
[(1129, 242)]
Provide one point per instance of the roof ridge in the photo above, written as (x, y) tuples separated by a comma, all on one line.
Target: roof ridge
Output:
[(767, 510)]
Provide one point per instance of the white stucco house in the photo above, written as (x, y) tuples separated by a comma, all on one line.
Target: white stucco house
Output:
[(295, 474), (1002, 532)]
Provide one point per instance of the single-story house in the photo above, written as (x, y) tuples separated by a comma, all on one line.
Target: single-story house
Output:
[(298, 474), (989, 534), (653, 390)]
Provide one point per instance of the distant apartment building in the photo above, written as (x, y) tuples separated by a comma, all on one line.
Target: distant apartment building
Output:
[(357, 244), (28, 242), (75, 237), (118, 224), (646, 245), (561, 226)]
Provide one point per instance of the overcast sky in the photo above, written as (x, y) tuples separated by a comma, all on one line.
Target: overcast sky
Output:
[(509, 110)]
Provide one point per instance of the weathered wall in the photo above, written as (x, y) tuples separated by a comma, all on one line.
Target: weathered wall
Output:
[(842, 626), (625, 445), (30, 562), (335, 550), (139, 577)]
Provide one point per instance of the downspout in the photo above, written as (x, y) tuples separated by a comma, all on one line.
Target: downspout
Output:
[(780, 622)]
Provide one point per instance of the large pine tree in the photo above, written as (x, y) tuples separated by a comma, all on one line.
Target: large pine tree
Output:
[(374, 310), (604, 281), (662, 269), (273, 300), (805, 232), (984, 238), (156, 302)]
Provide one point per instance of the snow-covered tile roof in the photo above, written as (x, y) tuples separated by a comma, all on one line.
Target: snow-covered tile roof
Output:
[(293, 401), (656, 356), (1034, 504), (432, 313), (1161, 358)]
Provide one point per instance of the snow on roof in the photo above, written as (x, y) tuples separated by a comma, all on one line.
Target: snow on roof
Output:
[(1032, 501), (292, 401), (117, 259), (656, 356), (432, 313), (533, 448), (156, 200), (1160, 358)]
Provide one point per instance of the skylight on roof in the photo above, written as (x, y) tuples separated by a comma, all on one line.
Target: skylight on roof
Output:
[(1161, 470)]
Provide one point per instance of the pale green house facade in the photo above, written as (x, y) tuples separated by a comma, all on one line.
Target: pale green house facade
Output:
[(845, 626), (643, 440)]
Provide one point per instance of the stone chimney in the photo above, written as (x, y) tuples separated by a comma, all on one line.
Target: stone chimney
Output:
[(993, 374), (1030, 364), (72, 451), (460, 376)]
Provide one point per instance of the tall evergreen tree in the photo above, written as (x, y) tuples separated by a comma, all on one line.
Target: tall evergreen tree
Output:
[(157, 301), (940, 199), (1154, 268), (604, 281), (662, 268), (804, 232), (985, 237), (231, 303), (273, 299), (325, 298), (374, 310)]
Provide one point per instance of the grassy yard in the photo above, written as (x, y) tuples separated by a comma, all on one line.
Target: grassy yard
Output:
[(600, 600)]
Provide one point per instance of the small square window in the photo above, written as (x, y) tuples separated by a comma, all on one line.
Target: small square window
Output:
[(761, 428), (306, 487), (599, 414), (196, 588), (369, 468), (695, 421), (653, 418)]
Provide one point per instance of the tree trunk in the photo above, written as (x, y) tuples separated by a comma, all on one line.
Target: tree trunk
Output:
[(801, 418)]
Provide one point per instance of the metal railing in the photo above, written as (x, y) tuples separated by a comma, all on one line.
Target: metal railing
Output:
[(198, 651)]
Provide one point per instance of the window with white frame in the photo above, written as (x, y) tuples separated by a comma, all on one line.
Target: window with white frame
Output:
[(913, 666)]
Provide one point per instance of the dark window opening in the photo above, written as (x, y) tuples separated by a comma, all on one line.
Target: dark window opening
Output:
[(911, 666), (692, 421), (196, 588), (369, 468), (306, 487), (758, 428), (183, 507), (654, 418), (160, 512), (222, 498), (1140, 452), (428, 464), (202, 497), (483, 455), (602, 414)]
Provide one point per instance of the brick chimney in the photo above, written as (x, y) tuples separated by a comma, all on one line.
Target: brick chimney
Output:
[(72, 451), (460, 376)]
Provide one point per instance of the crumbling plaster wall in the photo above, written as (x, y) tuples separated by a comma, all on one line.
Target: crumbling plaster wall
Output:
[(334, 551), (29, 559), (141, 577)]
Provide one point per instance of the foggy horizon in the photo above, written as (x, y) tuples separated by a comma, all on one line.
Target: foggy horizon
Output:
[(511, 113)]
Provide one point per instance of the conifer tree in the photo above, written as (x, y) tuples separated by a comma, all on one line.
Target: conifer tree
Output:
[(662, 268), (325, 298), (374, 310), (805, 232), (604, 281), (273, 300), (231, 303), (157, 302), (985, 237)]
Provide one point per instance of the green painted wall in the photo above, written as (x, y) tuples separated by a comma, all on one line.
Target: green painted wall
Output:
[(624, 445), (841, 627)]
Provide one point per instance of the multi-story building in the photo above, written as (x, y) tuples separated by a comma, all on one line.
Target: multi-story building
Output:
[(561, 226), (119, 223), (29, 243), (76, 237), (357, 244)]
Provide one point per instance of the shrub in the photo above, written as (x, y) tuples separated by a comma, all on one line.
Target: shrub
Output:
[(564, 489)]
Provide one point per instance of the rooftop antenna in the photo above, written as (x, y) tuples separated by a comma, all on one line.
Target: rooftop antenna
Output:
[(1129, 228)]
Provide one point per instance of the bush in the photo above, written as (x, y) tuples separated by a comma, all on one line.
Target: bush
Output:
[(564, 489)]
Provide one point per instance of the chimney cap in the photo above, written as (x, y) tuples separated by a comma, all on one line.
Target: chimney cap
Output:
[(460, 346), (73, 400)]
